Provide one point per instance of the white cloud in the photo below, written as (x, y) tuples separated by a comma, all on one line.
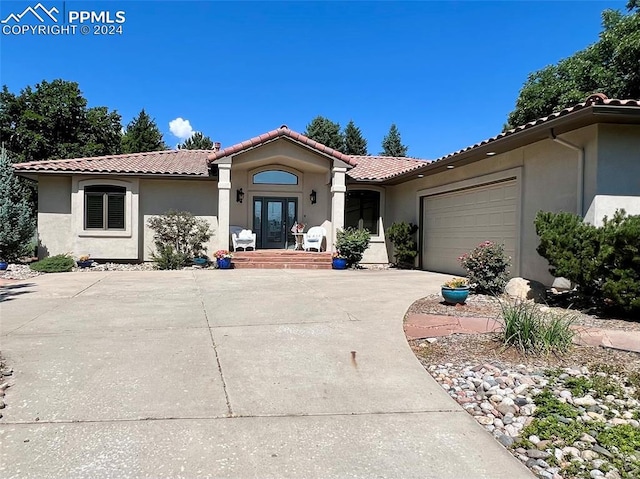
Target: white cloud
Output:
[(181, 128)]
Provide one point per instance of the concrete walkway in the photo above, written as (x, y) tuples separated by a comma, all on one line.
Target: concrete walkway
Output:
[(418, 326), (272, 373)]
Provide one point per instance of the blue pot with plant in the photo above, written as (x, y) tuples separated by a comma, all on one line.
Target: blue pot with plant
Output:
[(338, 262), (223, 258), (200, 261), (3, 265), (455, 291)]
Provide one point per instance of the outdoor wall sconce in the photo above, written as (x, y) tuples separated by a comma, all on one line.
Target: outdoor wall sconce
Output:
[(239, 195), (313, 197)]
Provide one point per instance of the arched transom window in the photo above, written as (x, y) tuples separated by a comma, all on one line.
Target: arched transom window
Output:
[(275, 177)]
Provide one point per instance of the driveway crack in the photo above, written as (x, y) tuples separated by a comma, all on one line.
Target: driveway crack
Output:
[(215, 347)]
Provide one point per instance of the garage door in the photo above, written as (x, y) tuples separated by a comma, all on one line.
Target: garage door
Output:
[(454, 223)]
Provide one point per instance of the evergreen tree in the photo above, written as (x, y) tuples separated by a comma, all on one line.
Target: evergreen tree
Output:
[(392, 143), (325, 131), (16, 215), (354, 142), (197, 141), (142, 134)]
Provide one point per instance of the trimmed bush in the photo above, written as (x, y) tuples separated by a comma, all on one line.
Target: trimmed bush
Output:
[(604, 262), (178, 236), (534, 332), (487, 268), (352, 243), (404, 245), (60, 263)]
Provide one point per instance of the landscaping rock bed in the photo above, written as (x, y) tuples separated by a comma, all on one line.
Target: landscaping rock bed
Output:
[(562, 423), (564, 417)]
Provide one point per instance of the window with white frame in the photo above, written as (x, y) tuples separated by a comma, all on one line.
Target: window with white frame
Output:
[(104, 207), (362, 210)]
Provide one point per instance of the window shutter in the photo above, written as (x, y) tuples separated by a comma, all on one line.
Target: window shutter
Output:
[(115, 215), (95, 211)]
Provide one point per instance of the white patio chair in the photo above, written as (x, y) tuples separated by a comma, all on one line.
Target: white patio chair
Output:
[(314, 238), (242, 238)]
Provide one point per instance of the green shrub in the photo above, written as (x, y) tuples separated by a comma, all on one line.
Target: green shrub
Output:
[(604, 262), (178, 237), (352, 243), (487, 267), (404, 245), (533, 331), (60, 263)]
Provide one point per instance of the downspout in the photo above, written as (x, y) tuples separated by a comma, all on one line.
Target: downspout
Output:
[(580, 192)]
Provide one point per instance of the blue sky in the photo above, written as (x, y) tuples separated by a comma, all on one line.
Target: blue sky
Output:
[(447, 73)]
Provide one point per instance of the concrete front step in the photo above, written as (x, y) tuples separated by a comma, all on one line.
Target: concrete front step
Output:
[(280, 265)]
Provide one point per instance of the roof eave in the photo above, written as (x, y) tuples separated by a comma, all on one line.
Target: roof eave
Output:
[(32, 174)]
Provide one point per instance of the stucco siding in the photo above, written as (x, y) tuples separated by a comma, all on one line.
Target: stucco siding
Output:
[(159, 196), (54, 216), (547, 177)]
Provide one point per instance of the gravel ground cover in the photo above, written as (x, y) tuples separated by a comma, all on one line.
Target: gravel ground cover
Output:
[(564, 417)]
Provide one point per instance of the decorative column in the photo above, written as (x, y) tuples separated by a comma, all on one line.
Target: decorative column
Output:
[(338, 190), (224, 198)]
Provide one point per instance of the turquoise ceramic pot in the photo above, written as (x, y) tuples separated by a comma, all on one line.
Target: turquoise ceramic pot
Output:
[(455, 295)]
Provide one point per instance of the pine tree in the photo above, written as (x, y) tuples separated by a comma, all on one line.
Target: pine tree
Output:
[(142, 134), (392, 143), (325, 131), (354, 142), (197, 141), (16, 214)]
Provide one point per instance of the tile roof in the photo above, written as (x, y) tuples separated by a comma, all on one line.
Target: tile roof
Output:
[(168, 162), (383, 167), (283, 131), (595, 99)]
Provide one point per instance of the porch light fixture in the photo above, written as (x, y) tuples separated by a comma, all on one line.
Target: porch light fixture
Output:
[(450, 167), (239, 195), (313, 197)]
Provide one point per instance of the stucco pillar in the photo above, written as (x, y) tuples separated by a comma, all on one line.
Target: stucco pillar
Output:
[(224, 198), (338, 190)]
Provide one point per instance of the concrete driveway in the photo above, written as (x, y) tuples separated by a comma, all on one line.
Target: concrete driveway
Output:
[(240, 373)]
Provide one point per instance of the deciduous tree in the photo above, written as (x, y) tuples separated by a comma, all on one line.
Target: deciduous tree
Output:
[(609, 66)]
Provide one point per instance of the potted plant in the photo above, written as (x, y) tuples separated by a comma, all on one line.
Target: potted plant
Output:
[(3, 265), (223, 258), (84, 261), (455, 291), (201, 260), (338, 261)]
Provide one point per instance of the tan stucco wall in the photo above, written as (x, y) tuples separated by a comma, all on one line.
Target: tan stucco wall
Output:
[(54, 216), (547, 177), (159, 196)]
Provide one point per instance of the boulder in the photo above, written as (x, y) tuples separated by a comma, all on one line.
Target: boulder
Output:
[(524, 289), (562, 284)]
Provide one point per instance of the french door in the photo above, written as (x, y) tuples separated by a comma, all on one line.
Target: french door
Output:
[(272, 221)]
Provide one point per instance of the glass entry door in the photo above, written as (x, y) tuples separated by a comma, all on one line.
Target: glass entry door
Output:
[(272, 221)]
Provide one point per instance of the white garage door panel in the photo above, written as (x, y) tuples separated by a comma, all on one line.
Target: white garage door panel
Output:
[(455, 223)]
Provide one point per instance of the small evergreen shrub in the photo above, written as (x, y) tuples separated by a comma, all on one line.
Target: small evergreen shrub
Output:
[(604, 262), (404, 245), (352, 243), (487, 267), (536, 332), (60, 263), (178, 236)]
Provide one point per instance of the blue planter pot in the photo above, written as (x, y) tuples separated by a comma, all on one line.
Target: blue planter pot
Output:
[(3, 265), (84, 264), (224, 263), (200, 261), (455, 295), (339, 263)]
